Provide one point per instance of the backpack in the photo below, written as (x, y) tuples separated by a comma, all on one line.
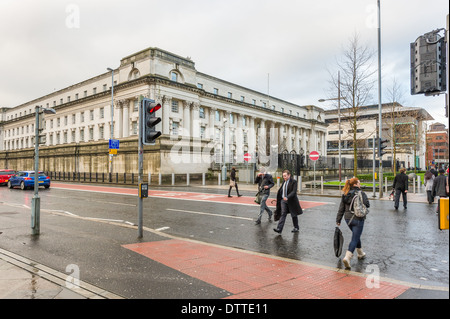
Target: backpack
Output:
[(357, 205)]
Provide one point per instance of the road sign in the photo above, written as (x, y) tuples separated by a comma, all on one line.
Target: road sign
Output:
[(114, 144), (314, 156), (113, 151), (247, 157)]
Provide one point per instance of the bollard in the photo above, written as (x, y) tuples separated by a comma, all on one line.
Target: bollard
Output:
[(173, 179), (321, 184), (160, 178), (187, 179), (385, 185), (203, 179), (300, 188), (149, 178), (414, 185), (218, 179), (278, 182), (418, 184)]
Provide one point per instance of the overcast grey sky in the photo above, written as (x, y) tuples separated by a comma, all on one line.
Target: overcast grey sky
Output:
[(46, 45)]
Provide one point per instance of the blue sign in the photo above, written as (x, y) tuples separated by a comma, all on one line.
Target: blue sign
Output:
[(114, 144)]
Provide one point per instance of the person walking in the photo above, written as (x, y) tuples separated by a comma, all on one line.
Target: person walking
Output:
[(233, 182), (287, 202), (356, 224), (401, 187), (440, 187), (265, 183), (428, 181)]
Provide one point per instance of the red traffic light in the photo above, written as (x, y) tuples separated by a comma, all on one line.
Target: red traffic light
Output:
[(155, 108)]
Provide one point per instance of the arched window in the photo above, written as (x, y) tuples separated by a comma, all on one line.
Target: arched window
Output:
[(134, 74)]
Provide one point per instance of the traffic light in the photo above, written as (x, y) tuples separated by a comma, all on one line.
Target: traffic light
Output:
[(382, 144), (428, 64), (149, 133)]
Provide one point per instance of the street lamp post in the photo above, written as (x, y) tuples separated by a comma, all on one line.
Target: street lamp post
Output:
[(111, 156), (224, 167), (36, 200)]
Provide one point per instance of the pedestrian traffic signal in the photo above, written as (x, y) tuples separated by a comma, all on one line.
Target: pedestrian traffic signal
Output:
[(382, 144), (149, 121)]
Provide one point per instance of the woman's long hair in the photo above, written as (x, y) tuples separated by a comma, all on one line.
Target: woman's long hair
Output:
[(349, 184)]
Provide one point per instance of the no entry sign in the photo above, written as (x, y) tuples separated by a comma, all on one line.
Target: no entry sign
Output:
[(314, 156), (247, 157)]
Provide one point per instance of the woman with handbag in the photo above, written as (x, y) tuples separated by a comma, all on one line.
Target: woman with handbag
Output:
[(428, 182), (233, 182), (356, 224)]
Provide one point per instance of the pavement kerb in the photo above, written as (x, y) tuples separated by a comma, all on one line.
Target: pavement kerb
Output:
[(84, 289)]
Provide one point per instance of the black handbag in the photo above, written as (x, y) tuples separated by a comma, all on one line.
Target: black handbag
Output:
[(338, 242)]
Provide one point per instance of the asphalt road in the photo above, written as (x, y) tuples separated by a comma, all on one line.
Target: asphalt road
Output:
[(404, 245)]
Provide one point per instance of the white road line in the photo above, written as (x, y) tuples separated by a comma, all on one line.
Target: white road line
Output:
[(209, 214)]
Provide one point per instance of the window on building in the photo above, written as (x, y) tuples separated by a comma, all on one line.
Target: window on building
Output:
[(174, 76), (136, 106), (230, 95), (200, 86), (174, 106), (91, 115), (202, 131), (175, 128), (91, 133), (216, 91), (94, 91), (101, 132), (102, 112), (201, 112), (73, 118), (217, 116)]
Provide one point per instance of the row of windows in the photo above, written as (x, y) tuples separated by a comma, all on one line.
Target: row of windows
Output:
[(61, 101)]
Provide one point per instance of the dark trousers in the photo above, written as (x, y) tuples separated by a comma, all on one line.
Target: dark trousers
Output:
[(237, 190), (397, 198), (430, 197), (284, 212)]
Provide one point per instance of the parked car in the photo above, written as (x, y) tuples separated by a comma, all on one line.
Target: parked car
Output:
[(5, 175), (25, 179)]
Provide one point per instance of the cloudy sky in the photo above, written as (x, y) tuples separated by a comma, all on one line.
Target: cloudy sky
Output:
[(46, 45)]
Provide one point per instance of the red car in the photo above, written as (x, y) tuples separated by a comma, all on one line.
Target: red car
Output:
[(5, 175)]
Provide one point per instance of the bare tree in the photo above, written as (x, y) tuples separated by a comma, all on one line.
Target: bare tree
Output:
[(395, 94), (356, 83)]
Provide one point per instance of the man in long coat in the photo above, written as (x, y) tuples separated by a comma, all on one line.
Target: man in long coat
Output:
[(287, 202)]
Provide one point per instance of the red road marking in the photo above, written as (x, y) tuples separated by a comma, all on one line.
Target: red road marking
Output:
[(217, 198), (249, 276)]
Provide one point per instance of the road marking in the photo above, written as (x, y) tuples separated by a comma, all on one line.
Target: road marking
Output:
[(209, 214), (162, 229)]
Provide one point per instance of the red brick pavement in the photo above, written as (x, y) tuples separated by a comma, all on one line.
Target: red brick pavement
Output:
[(250, 276)]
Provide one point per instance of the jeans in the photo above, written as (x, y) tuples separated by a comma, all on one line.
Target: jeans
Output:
[(356, 226), (264, 207), (397, 198)]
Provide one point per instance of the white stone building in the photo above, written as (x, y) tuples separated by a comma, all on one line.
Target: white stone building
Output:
[(195, 106)]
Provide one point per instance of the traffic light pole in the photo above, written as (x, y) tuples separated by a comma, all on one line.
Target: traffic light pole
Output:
[(140, 169), (380, 122)]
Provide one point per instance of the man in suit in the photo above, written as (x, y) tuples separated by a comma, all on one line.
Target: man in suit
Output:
[(287, 202), (401, 187), (265, 183)]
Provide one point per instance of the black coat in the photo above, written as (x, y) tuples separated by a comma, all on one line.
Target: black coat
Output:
[(401, 182), (344, 207), (265, 180), (294, 205)]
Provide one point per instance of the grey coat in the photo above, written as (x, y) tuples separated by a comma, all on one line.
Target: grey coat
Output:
[(439, 186)]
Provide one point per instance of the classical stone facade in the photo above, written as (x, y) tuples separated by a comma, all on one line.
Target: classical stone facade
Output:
[(204, 120)]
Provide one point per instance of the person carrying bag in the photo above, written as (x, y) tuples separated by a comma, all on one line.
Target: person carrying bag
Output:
[(354, 208)]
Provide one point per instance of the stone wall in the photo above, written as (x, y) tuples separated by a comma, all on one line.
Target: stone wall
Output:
[(167, 156)]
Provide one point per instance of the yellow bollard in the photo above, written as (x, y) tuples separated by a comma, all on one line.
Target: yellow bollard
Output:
[(443, 214)]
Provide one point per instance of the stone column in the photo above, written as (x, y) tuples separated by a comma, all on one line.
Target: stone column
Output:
[(195, 124), (186, 119), (166, 108), (126, 117)]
